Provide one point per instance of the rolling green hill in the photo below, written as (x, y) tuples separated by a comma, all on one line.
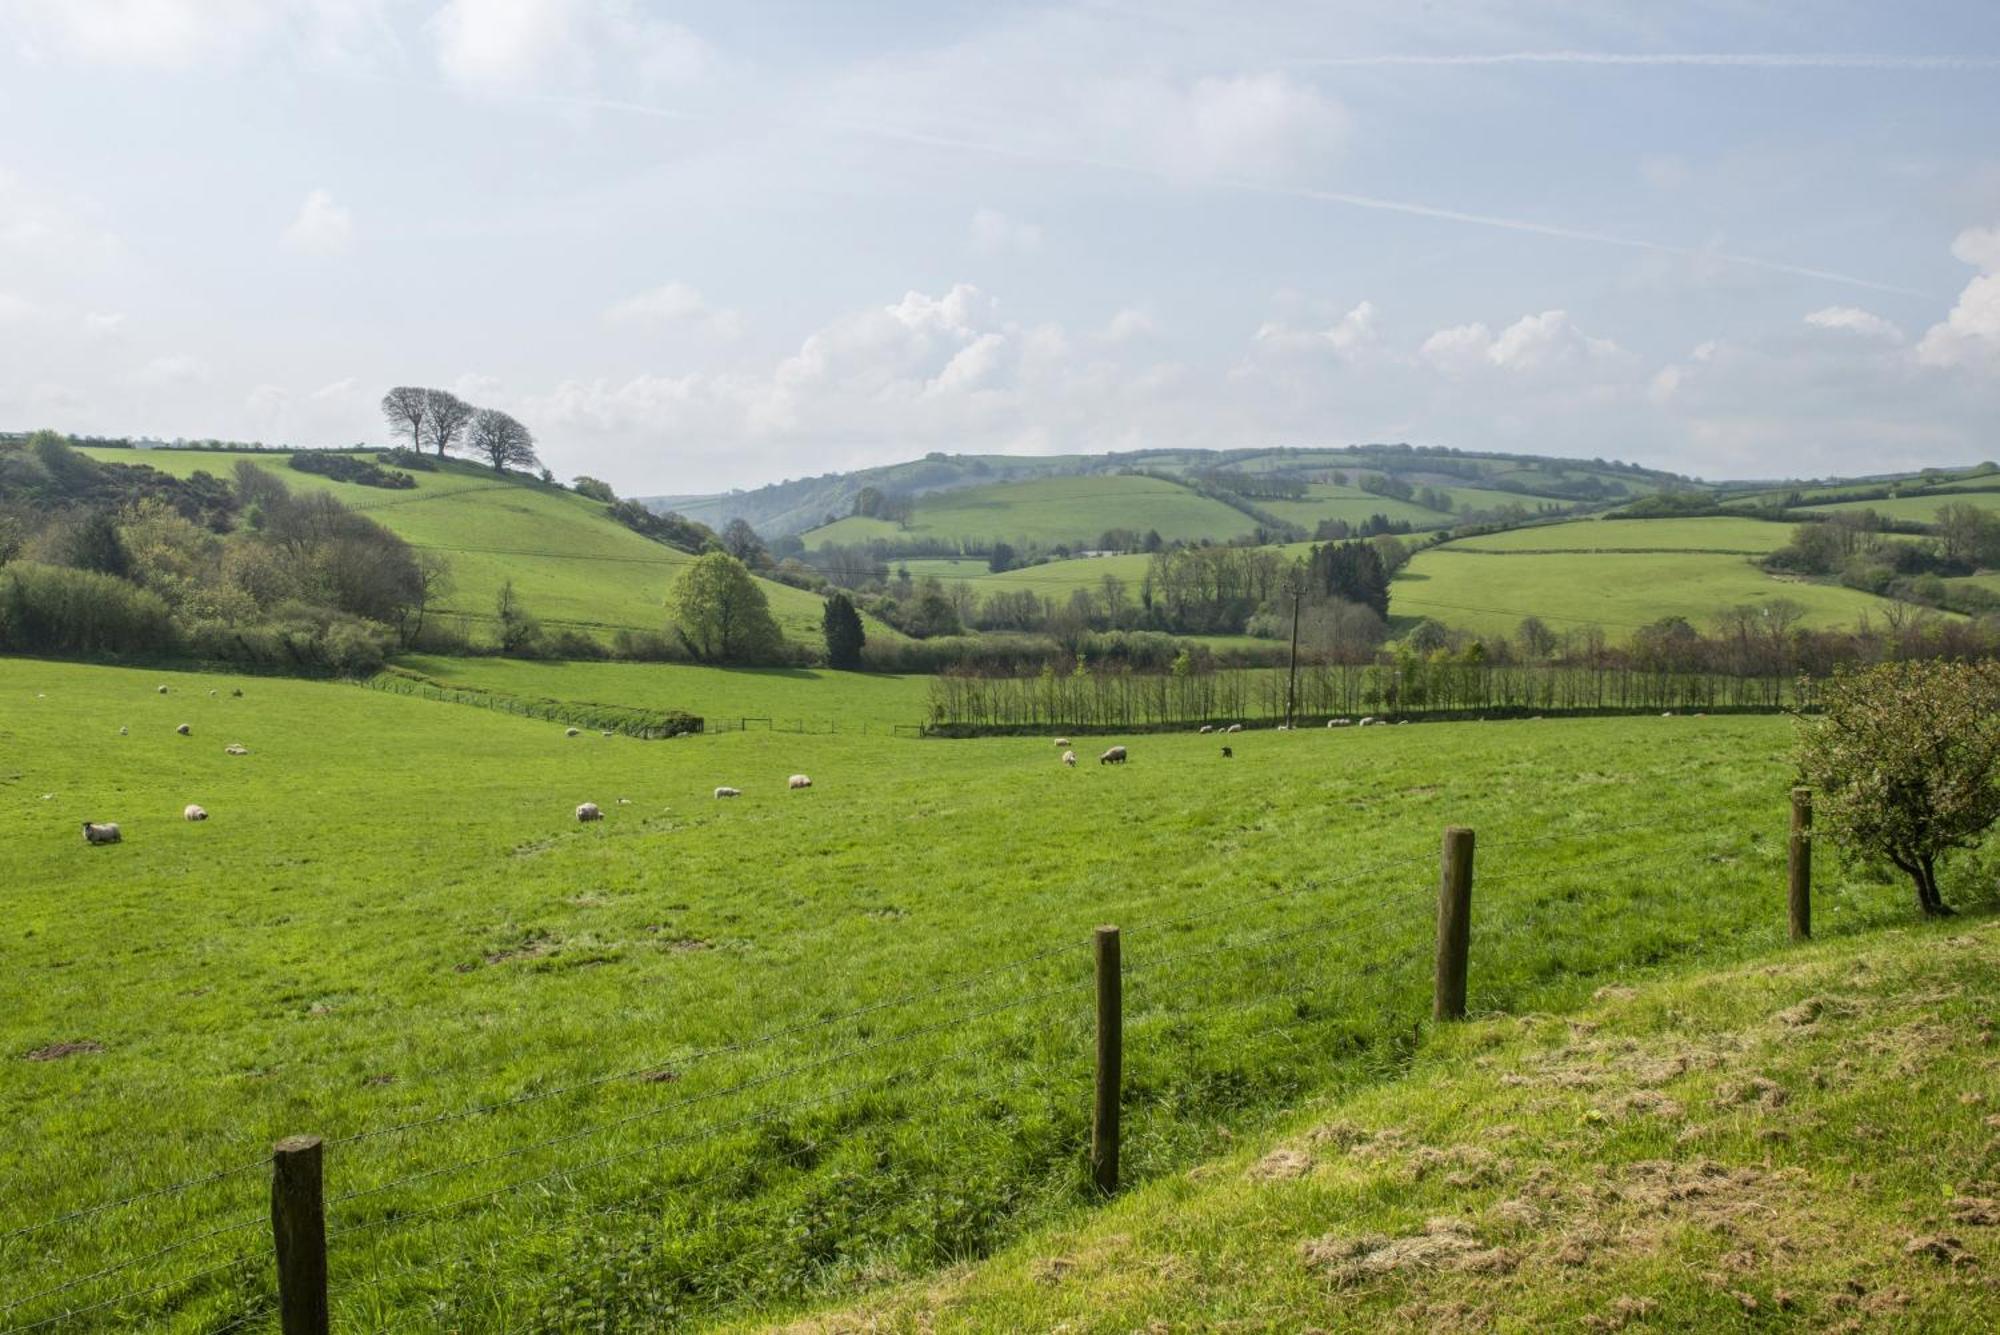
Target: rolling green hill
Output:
[(1052, 510), (571, 564)]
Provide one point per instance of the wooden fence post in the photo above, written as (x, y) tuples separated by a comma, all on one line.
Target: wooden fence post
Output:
[(1799, 879), (1454, 925), (1110, 1063), (298, 1229)]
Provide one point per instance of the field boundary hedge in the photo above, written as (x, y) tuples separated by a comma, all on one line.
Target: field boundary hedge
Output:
[(648, 724)]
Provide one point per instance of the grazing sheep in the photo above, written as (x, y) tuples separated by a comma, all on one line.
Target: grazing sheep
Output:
[(163, 690), (571, 732), (605, 733), (1062, 741), (1370, 721), (236, 749), (236, 694), (105, 832), (193, 812), (1069, 758), (1284, 727), (1227, 753), (1115, 756), (729, 792), (212, 692), (1234, 727), (1206, 729), (799, 781), (124, 732), (184, 730), (624, 801), (587, 812)]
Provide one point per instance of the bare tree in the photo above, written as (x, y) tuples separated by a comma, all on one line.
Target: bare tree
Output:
[(501, 441), (405, 406), (446, 417)]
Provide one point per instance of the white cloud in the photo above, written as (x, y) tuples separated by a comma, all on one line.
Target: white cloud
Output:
[(1354, 333), (527, 46), (16, 309), (675, 304), (1132, 322), (1533, 343), (178, 369), (104, 324), (1970, 335), (181, 35), (322, 227), (1854, 320), (994, 233)]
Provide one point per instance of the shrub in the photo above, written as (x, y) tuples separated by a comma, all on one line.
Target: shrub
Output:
[(404, 457), (349, 468), (54, 610), (1903, 764)]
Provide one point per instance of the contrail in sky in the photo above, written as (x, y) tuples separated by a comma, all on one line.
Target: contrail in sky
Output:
[(1775, 60)]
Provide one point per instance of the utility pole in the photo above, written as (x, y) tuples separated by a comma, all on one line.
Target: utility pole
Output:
[(1292, 685)]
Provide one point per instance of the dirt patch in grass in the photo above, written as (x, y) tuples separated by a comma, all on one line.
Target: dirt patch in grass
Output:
[(1281, 1166), (1445, 1244), (57, 1051)]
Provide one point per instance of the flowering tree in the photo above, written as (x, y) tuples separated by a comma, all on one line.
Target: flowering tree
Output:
[(1903, 764)]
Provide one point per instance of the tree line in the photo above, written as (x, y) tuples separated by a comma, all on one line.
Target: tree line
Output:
[(440, 421)]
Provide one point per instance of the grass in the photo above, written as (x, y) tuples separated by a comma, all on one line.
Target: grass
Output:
[(1324, 500), (815, 697), (1922, 509), (1801, 1145), (1051, 510), (1735, 537), (1491, 591), (570, 562), (710, 1058)]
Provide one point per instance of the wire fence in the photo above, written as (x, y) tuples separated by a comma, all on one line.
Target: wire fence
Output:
[(770, 1169)]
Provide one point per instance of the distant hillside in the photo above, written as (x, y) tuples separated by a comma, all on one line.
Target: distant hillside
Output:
[(799, 505)]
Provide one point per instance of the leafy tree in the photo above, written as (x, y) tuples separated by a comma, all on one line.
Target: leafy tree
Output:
[(519, 630), (931, 611), (1537, 641), (1903, 764), (405, 407), (1971, 535), (1353, 571), (446, 416), (1000, 558), (501, 440), (594, 489), (844, 632), (741, 541), (93, 543), (722, 615)]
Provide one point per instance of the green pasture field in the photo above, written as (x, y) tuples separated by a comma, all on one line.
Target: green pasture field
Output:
[(1490, 592), (1727, 535), (570, 563), (1051, 510), (1796, 1144), (1922, 509), (818, 698), (1324, 500), (706, 1057)]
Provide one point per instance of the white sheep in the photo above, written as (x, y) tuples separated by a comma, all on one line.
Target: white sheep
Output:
[(728, 792), (1115, 756), (1370, 721), (124, 732), (193, 812), (1062, 741), (571, 732), (236, 749), (799, 781), (104, 832), (163, 690), (1284, 727), (1069, 758), (587, 811), (184, 730), (212, 692), (1234, 727), (1206, 729)]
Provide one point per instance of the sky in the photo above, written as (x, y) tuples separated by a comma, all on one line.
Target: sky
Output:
[(710, 245)]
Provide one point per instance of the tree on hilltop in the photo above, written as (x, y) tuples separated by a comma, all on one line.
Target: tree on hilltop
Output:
[(501, 440), (406, 406), (446, 416)]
